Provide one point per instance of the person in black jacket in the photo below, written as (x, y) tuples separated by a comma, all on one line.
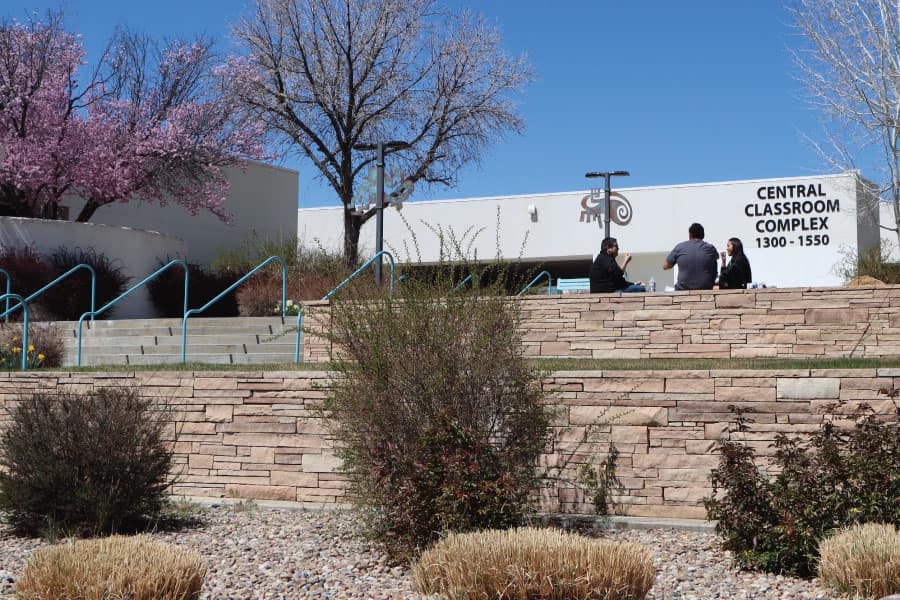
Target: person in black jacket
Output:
[(736, 274), (607, 275)]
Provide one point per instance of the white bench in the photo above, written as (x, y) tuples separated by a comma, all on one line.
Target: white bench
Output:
[(577, 284)]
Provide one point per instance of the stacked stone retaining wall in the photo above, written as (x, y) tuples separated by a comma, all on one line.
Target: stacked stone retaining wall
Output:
[(761, 323), (256, 434)]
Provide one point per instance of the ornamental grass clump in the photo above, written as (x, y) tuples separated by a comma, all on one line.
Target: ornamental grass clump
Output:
[(85, 464), (863, 561), (71, 298), (438, 416), (534, 564), (136, 568)]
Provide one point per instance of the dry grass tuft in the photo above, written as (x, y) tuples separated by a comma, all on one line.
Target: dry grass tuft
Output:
[(865, 281), (534, 564), (136, 568), (863, 560)]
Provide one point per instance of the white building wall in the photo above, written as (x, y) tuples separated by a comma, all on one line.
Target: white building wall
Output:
[(262, 200), (889, 241), (136, 252), (561, 228)]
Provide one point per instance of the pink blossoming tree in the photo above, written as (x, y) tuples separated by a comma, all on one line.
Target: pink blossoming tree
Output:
[(149, 124)]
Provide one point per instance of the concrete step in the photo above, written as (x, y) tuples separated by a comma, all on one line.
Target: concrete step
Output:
[(172, 340), (176, 322), (246, 340), (158, 359), (251, 322), (262, 329), (175, 348)]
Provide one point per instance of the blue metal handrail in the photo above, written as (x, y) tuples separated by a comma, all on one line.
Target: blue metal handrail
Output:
[(34, 295), (128, 292), (193, 311), (352, 275), (8, 284), (535, 280), (23, 302), (378, 255), (463, 282)]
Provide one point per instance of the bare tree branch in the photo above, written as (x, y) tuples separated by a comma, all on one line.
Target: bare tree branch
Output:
[(851, 67), (326, 75)]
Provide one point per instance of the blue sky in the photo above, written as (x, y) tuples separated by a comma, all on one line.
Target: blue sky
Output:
[(674, 92)]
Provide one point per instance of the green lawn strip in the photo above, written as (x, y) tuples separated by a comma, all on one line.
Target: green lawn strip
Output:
[(546, 364), (194, 366), (590, 364)]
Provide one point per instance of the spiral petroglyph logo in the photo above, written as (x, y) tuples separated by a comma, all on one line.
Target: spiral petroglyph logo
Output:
[(593, 204)]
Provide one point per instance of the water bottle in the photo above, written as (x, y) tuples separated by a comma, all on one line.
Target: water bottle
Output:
[(652, 284)]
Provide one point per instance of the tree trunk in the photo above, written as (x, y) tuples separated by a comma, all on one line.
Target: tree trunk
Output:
[(352, 227), (90, 207)]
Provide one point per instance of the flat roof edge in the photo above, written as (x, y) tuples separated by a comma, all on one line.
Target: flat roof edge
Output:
[(853, 174)]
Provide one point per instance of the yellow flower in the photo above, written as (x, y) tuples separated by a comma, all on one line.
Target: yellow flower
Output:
[(16, 350), (30, 348), (41, 357), (15, 339)]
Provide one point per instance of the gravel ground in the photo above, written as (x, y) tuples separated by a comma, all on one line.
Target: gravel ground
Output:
[(280, 554)]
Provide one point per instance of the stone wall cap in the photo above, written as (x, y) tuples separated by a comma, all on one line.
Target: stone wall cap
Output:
[(759, 373), (623, 522)]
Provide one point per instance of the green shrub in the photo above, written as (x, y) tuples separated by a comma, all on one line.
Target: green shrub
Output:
[(71, 298), (440, 419), (256, 249), (837, 478), (84, 463), (534, 564), (863, 561), (137, 568)]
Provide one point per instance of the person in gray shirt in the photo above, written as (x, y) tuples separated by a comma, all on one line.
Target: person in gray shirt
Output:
[(696, 261)]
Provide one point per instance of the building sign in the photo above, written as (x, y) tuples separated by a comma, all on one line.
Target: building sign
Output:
[(795, 215), (593, 206)]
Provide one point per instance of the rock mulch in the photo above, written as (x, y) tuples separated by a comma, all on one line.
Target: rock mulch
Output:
[(278, 554)]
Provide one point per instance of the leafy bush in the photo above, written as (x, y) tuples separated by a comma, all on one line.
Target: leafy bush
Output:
[(43, 337), (71, 298), (534, 564), (167, 291), (84, 463), (439, 417), (837, 478), (115, 567), (863, 561)]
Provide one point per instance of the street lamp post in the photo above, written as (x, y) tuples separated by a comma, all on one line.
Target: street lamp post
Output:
[(608, 193), (379, 195)]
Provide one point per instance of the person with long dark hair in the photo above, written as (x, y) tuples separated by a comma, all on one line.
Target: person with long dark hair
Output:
[(736, 274)]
